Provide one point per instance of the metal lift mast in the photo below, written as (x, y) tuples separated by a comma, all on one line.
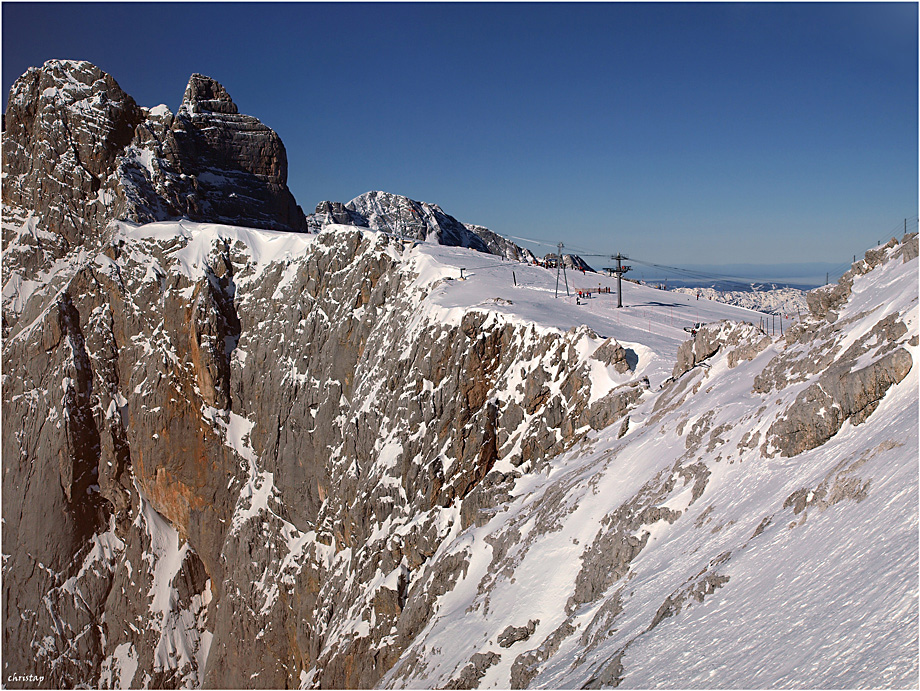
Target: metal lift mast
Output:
[(560, 263), (619, 271)]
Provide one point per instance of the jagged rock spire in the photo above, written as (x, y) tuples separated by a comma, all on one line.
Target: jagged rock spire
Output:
[(204, 94)]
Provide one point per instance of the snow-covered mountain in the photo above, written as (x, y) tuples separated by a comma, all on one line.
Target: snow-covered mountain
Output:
[(785, 301), (407, 218), (244, 457)]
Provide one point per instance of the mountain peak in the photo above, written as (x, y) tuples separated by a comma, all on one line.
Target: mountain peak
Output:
[(67, 65), (204, 94)]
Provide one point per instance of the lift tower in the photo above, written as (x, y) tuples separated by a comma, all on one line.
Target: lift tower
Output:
[(619, 271), (561, 264)]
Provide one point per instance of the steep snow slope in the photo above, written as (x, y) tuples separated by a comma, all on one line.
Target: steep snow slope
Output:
[(688, 553)]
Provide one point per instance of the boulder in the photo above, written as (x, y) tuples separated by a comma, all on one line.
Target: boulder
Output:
[(513, 634), (612, 354)]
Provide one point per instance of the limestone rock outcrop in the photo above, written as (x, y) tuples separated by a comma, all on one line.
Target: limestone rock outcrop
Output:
[(78, 153), (740, 341), (841, 394), (393, 213), (209, 162), (305, 388)]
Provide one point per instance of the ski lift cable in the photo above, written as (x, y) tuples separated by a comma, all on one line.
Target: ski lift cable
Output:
[(547, 244), (697, 274), (492, 266), (912, 222), (534, 242), (688, 273)]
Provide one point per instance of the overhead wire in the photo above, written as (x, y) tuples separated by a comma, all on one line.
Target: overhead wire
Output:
[(698, 275), (534, 242), (911, 225)]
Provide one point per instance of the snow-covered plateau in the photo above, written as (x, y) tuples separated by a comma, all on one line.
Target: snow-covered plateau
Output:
[(248, 456), (785, 301)]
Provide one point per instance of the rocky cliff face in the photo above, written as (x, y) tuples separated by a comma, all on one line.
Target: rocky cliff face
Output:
[(66, 125), (79, 152), (587, 580), (365, 423), (244, 458)]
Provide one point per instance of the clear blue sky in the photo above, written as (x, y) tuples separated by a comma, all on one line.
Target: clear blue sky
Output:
[(676, 133)]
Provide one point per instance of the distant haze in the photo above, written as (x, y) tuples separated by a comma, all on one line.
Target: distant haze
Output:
[(805, 276)]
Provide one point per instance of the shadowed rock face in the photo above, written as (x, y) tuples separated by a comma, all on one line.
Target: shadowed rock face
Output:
[(79, 152), (209, 163)]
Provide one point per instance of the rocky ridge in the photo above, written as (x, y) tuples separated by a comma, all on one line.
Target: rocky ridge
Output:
[(787, 301), (407, 218), (275, 460), (393, 213)]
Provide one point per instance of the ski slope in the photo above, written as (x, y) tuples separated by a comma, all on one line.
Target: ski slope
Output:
[(753, 570), (651, 321)]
